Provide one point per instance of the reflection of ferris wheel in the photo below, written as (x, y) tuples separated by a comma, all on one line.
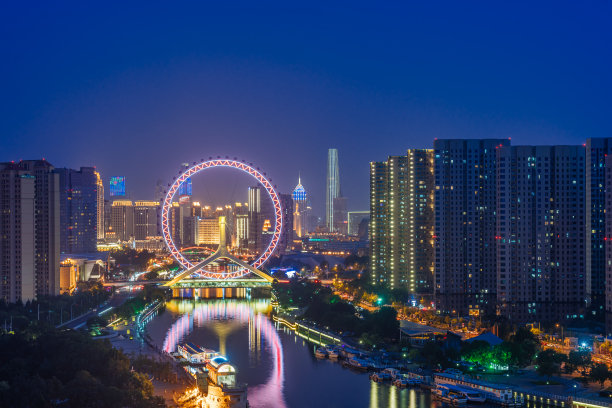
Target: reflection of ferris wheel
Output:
[(246, 168)]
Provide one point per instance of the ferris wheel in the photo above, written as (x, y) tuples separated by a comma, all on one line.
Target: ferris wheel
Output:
[(232, 164)]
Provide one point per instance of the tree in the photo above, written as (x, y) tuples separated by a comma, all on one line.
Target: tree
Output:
[(524, 345), (549, 362), (600, 373), (579, 360)]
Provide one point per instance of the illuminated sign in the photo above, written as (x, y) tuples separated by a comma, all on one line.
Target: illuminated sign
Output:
[(117, 186)]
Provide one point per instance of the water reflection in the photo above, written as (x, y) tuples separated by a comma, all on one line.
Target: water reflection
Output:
[(279, 367), (225, 317)]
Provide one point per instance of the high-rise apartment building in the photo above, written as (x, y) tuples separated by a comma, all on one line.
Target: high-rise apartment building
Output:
[(541, 237), (45, 219), (122, 219), (340, 215), (465, 224), (401, 221), (78, 210), (100, 214), (17, 234), (333, 187), (146, 219), (607, 242), (597, 149)]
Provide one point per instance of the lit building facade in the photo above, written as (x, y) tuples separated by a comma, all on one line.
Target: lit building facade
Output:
[(332, 190), (100, 217), (465, 224), (541, 237), (608, 243), (78, 210), (122, 219), (146, 219), (401, 221), (286, 239), (208, 232), (299, 208)]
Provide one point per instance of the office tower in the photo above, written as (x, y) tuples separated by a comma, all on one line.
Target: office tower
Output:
[(160, 191), (340, 217), (78, 210), (354, 219), (146, 219), (117, 187), (241, 220), (17, 234), (333, 187), (208, 232), (286, 239), (122, 219), (100, 214), (299, 209), (401, 221), (541, 237), (465, 224), (254, 203), (596, 151), (196, 209)]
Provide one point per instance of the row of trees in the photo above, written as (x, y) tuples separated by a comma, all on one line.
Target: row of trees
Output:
[(549, 362), (330, 311)]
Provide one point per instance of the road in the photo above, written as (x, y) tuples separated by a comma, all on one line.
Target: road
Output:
[(115, 300)]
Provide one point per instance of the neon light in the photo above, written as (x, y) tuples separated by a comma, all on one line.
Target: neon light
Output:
[(278, 225)]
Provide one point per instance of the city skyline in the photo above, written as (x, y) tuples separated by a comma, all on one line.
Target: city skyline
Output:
[(220, 82)]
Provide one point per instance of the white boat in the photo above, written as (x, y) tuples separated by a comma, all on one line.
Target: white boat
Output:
[(320, 352), (472, 395), (393, 372), (493, 393)]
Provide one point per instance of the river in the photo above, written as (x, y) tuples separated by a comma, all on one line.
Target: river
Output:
[(279, 367)]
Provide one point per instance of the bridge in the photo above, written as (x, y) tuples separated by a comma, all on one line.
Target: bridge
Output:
[(185, 280)]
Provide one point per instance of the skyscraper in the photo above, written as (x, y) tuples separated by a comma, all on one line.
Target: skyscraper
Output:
[(117, 187), (465, 224), (401, 221), (100, 215), (146, 219), (596, 151), (541, 239), (340, 215), (78, 210), (122, 219), (299, 208), (333, 187), (286, 238), (354, 218)]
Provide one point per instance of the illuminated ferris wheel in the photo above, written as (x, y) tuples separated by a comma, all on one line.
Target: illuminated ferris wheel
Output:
[(221, 275)]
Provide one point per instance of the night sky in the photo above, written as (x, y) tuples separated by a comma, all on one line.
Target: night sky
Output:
[(137, 89)]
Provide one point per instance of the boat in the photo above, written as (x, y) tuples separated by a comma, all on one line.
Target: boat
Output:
[(320, 352), (333, 353), (493, 393), (472, 395), (381, 376), (446, 394), (392, 372), (401, 382), (414, 382), (357, 363)]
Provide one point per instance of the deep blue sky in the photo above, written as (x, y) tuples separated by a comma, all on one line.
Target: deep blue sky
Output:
[(136, 89)]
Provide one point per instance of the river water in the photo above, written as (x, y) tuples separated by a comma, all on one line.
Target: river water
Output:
[(279, 367)]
